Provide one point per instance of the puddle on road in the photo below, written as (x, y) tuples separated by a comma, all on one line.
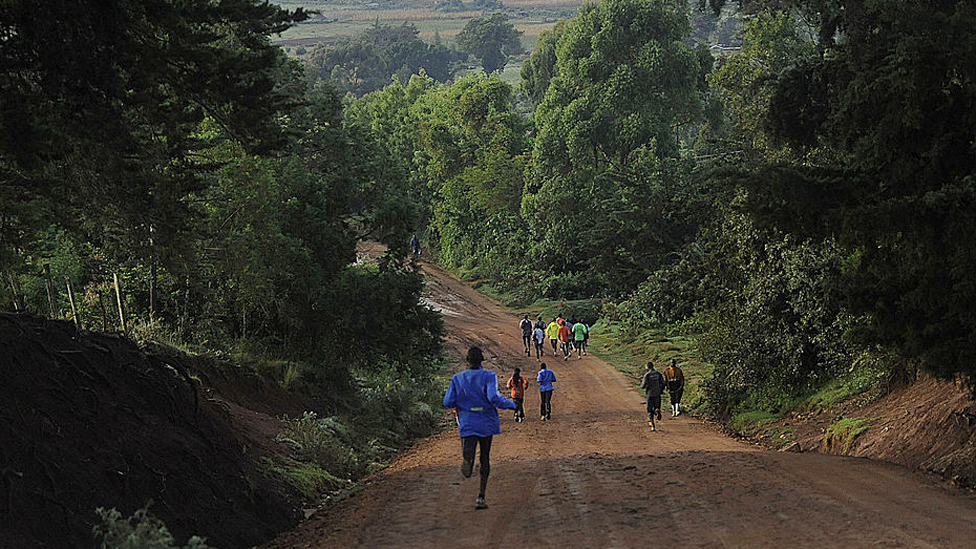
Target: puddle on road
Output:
[(439, 307)]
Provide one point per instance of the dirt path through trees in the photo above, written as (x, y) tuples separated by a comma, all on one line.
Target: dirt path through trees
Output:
[(596, 476)]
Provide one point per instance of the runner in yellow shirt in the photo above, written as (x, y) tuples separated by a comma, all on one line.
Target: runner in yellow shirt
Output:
[(552, 332)]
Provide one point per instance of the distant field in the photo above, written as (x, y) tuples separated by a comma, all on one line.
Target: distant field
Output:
[(340, 18)]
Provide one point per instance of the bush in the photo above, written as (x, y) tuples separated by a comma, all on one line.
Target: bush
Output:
[(140, 531), (325, 442)]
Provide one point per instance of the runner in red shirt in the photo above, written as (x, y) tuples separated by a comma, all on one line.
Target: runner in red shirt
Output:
[(565, 341)]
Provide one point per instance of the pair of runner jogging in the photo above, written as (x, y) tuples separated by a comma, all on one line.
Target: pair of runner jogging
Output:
[(655, 383)]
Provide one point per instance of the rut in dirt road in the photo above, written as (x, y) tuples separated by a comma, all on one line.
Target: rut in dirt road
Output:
[(596, 476)]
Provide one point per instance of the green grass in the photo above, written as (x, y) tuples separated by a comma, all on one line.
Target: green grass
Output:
[(860, 386), (309, 479), (859, 381), (842, 434), (752, 422)]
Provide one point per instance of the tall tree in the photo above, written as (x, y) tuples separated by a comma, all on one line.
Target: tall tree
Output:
[(100, 104), (606, 158), (492, 40), (885, 105), (626, 81)]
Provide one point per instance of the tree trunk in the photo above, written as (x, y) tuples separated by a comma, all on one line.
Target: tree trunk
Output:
[(52, 299)]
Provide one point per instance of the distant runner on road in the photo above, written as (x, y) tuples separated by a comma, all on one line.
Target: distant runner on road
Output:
[(474, 392), (565, 341), (653, 384), (546, 378), (675, 380), (518, 385), (579, 336), (539, 338), (415, 245), (552, 332), (526, 326)]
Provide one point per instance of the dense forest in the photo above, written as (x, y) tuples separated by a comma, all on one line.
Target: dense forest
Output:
[(804, 207), (174, 148)]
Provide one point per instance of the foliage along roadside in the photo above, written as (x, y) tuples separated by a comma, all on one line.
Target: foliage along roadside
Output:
[(172, 145), (741, 197), (230, 215)]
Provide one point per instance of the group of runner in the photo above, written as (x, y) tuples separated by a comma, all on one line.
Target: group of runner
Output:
[(474, 394), (566, 335), (656, 383)]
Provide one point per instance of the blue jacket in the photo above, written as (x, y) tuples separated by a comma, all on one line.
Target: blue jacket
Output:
[(475, 395), (545, 379)]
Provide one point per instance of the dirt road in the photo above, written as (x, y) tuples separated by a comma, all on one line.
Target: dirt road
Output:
[(596, 476)]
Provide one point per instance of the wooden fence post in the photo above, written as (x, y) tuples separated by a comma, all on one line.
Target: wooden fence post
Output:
[(71, 299), (118, 298), (52, 300), (15, 292)]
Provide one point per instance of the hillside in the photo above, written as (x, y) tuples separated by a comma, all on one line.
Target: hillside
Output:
[(91, 421)]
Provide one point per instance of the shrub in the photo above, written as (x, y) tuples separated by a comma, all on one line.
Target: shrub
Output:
[(326, 442), (140, 531)]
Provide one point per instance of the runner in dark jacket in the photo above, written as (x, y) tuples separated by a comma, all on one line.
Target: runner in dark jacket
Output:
[(653, 384), (526, 326)]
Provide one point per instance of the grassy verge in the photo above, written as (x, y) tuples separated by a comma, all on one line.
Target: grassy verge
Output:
[(841, 435), (767, 423)]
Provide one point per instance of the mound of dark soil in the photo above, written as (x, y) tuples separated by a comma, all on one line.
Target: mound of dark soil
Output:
[(88, 420)]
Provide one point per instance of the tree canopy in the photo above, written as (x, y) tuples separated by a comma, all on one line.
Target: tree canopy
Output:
[(492, 40), (366, 62)]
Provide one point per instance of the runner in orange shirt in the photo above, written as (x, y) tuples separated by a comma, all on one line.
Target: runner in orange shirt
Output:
[(565, 341), (518, 384)]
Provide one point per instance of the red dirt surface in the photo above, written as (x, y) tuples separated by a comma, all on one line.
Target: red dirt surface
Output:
[(596, 476)]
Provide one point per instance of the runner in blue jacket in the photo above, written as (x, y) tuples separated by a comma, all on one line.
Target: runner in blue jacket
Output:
[(474, 393), (546, 378)]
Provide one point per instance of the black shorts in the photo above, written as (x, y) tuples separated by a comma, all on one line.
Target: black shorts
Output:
[(653, 403)]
